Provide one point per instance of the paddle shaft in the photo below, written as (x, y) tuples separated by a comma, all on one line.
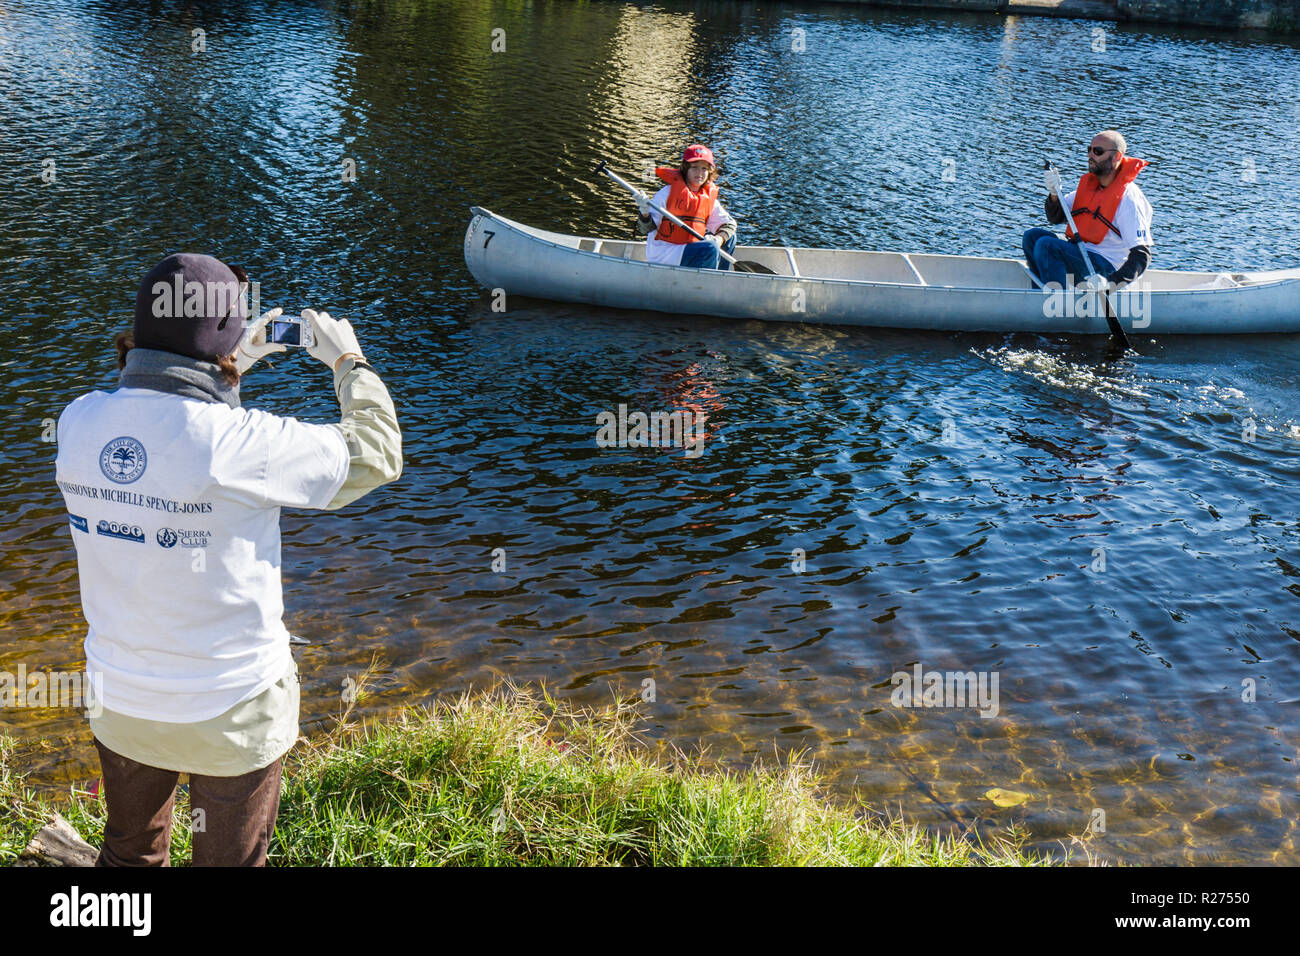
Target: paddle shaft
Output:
[(663, 212), (1112, 321)]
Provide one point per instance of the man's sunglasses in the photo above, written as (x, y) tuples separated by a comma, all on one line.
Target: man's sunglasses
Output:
[(1098, 151)]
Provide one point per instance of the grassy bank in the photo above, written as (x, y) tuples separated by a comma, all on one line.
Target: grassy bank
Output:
[(511, 777)]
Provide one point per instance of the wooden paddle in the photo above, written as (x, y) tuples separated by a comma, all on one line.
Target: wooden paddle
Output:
[(1120, 340), (737, 264)]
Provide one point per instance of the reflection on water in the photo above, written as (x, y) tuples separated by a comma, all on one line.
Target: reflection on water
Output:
[(1100, 535)]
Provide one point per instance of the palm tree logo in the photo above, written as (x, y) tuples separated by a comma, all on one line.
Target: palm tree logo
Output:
[(123, 460)]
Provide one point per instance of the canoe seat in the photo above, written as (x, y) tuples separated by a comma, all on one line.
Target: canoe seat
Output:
[(972, 272), (845, 264), (619, 250), (1171, 280), (1220, 281)]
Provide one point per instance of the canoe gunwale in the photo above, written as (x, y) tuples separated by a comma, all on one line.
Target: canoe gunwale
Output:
[(602, 279), (531, 232)]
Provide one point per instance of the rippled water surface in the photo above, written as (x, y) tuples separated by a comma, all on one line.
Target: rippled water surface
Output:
[(956, 496)]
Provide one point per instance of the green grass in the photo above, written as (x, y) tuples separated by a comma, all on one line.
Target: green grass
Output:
[(513, 778)]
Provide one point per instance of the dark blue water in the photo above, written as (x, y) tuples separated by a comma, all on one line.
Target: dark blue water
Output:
[(952, 494)]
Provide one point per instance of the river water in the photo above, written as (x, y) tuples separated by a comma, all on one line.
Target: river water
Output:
[(1116, 542)]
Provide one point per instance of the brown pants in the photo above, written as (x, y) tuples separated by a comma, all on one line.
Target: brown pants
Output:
[(233, 829)]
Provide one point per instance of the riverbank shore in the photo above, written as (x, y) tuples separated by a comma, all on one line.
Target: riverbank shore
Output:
[(1274, 16), (511, 777)]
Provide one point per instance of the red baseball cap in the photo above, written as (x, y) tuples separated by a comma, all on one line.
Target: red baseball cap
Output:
[(696, 153)]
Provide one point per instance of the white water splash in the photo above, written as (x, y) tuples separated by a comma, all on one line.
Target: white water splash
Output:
[(1215, 391), (1060, 372)]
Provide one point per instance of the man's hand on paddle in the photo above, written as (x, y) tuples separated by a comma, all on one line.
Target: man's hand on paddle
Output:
[(1053, 180), (1097, 283)]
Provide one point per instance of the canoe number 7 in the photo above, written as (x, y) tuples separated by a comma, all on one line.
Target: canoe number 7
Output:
[(489, 233)]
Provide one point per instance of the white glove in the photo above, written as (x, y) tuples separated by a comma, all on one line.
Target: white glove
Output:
[(253, 345), (714, 238), (334, 338), (1053, 180), (643, 205), (1095, 283)]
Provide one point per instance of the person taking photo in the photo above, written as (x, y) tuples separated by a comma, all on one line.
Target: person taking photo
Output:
[(173, 491)]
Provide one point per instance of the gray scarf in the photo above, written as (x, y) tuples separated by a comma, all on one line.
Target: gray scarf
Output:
[(179, 375)]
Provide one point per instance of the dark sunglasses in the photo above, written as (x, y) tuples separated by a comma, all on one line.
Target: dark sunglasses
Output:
[(1098, 151)]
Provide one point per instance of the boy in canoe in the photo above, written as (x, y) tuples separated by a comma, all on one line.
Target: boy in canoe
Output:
[(1111, 212), (691, 194)]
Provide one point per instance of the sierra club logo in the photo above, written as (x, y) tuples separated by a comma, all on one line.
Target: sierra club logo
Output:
[(186, 537), (123, 460), (116, 529)]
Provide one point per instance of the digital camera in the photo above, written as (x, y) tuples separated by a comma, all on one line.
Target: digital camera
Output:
[(291, 331)]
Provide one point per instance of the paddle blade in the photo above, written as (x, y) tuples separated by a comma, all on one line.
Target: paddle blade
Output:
[(1118, 340), (741, 265)]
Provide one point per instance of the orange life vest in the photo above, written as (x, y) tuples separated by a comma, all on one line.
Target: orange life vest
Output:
[(688, 205), (1094, 207)]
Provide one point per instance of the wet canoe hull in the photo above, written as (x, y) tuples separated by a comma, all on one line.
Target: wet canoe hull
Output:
[(959, 293)]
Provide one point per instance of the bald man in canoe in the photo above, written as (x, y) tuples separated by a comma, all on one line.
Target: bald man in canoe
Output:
[(1113, 216)]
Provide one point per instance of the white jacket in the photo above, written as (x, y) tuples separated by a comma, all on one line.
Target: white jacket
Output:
[(670, 253), (174, 505)]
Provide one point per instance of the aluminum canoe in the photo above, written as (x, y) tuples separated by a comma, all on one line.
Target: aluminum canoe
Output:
[(887, 289)]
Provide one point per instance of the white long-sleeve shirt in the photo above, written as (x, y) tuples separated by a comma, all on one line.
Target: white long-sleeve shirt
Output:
[(670, 253), (1132, 219)]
